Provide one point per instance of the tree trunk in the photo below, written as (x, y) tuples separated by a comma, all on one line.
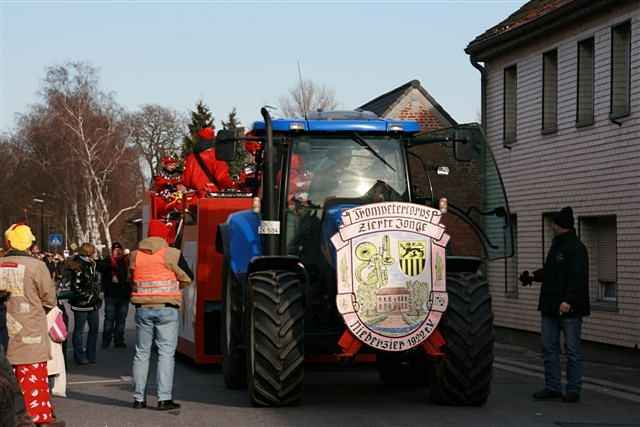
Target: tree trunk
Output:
[(80, 233)]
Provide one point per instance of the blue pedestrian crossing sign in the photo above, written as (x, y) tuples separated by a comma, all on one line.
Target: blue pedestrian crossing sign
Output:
[(55, 240)]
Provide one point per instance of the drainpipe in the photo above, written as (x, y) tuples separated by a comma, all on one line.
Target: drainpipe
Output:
[(483, 91)]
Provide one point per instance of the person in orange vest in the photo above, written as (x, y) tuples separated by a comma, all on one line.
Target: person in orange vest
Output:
[(157, 280), (202, 171)]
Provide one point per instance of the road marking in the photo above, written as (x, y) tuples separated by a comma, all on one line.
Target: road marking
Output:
[(128, 380), (587, 386)]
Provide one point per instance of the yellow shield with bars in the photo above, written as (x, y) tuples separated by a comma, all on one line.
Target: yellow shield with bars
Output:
[(412, 257)]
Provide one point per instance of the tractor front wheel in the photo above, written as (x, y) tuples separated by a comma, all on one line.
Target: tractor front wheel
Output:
[(463, 376), (275, 338), (234, 362)]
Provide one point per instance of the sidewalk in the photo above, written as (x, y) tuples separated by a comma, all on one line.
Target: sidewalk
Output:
[(609, 367)]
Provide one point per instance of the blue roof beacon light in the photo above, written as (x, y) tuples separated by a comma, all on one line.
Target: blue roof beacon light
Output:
[(342, 121)]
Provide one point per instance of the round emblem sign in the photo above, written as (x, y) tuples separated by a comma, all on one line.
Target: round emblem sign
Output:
[(391, 273)]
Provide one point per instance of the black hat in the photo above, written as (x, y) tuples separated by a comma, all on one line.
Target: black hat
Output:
[(564, 218)]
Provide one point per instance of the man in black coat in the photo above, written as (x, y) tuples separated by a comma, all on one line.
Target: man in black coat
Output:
[(564, 300), (117, 293)]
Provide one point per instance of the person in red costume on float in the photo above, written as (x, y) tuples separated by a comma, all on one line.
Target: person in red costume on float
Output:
[(203, 172), (165, 185), (169, 177)]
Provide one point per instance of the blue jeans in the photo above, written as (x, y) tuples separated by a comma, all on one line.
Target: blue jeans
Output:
[(159, 326), (80, 318), (115, 317), (572, 328)]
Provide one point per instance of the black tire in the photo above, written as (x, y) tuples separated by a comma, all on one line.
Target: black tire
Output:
[(463, 376), (275, 343), (234, 362), (404, 368)]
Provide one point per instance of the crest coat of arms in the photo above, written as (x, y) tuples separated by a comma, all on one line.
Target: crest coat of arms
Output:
[(390, 266)]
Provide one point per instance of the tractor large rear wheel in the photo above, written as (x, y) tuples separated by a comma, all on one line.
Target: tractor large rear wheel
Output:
[(234, 362), (275, 338), (463, 376)]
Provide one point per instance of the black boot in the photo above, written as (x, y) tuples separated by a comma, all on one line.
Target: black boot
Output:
[(167, 405)]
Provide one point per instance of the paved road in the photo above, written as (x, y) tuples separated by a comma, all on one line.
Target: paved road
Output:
[(101, 396)]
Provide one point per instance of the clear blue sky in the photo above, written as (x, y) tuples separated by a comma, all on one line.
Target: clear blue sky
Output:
[(244, 54)]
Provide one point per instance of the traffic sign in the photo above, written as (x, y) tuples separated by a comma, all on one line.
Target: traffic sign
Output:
[(55, 240)]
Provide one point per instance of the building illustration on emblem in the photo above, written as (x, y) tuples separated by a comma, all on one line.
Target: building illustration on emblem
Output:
[(393, 300)]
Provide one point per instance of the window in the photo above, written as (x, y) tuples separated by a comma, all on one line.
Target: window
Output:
[(547, 234), (550, 91), (599, 234), (512, 283), (586, 78), (620, 70), (510, 107)]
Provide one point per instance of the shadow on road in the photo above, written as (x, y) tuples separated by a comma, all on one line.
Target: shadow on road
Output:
[(101, 400)]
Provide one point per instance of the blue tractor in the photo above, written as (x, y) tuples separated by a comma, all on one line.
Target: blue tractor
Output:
[(281, 294)]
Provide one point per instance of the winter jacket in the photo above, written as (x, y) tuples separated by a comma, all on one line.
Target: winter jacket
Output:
[(4, 333), (195, 177), (150, 246), (115, 281), (81, 277), (32, 292), (565, 277)]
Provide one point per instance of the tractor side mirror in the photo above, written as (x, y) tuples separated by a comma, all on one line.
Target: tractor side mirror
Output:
[(226, 142), (468, 142)]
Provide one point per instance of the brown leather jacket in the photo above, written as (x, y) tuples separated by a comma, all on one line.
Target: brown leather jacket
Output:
[(32, 292)]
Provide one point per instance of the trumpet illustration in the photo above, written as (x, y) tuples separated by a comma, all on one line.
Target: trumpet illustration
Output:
[(374, 260)]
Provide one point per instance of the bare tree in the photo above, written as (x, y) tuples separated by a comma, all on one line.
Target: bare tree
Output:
[(91, 148), (156, 131), (307, 96)]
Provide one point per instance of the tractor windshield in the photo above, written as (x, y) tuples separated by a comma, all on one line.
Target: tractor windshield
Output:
[(372, 168), (326, 175)]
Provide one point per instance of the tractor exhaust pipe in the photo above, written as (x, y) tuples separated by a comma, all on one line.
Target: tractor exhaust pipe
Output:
[(268, 203)]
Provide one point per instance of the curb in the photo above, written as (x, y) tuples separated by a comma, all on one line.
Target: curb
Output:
[(607, 387)]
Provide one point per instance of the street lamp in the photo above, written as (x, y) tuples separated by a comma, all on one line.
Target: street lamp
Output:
[(41, 202)]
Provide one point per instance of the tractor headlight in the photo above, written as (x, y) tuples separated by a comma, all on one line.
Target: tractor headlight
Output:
[(443, 205), (255, 206), (296, 126)]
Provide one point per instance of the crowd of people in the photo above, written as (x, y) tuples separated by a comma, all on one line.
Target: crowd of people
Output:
[(33, 285), (40, 290)]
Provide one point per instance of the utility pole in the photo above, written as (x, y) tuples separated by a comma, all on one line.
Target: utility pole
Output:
[(66, 235), (41, 202)]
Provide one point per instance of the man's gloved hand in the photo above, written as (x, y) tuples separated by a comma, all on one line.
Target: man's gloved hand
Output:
[(526, 278)]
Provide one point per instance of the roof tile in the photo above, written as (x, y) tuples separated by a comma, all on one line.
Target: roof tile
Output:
[(528, 13)]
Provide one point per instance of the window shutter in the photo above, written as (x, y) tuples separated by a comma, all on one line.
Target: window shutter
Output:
[(620, 69), (510, 104), (607, 249), (550, 91), (585, 81)]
